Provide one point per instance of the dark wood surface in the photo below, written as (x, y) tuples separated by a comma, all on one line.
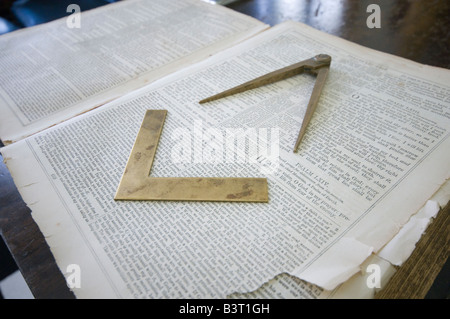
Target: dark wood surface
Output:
[(416, 30), (27, 244)]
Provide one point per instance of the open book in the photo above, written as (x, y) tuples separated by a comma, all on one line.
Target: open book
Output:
[(72, 102)]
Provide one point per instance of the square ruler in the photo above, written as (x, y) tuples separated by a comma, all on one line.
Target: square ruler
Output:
[(137, 184)]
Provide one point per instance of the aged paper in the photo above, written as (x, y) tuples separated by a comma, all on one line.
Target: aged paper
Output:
[(52, 72), (394, 253), (402, 245), (376, 151)]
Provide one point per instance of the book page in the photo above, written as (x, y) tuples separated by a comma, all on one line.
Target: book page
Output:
[(52, 72), (375, 152)]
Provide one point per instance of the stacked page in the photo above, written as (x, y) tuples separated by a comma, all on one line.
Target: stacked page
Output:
[(52, 72), (375, 152)]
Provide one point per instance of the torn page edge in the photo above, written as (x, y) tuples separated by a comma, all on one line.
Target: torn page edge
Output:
[(332, 268), (398, 250), (374, 275), (395, 253), (337, 264), (401, 246), (282, 286)]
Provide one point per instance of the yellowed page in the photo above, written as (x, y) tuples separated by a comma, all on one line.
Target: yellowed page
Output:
[(376, 151), (52, 72)]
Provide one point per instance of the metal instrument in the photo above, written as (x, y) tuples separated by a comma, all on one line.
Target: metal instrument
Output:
[(137, 184), (318, 65)]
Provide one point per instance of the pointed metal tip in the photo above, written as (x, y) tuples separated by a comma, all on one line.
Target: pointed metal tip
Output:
[(297, 143), (208, 99), (212, 98)]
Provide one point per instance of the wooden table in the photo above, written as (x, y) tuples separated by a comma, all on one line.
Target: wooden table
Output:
[(417, 30)]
